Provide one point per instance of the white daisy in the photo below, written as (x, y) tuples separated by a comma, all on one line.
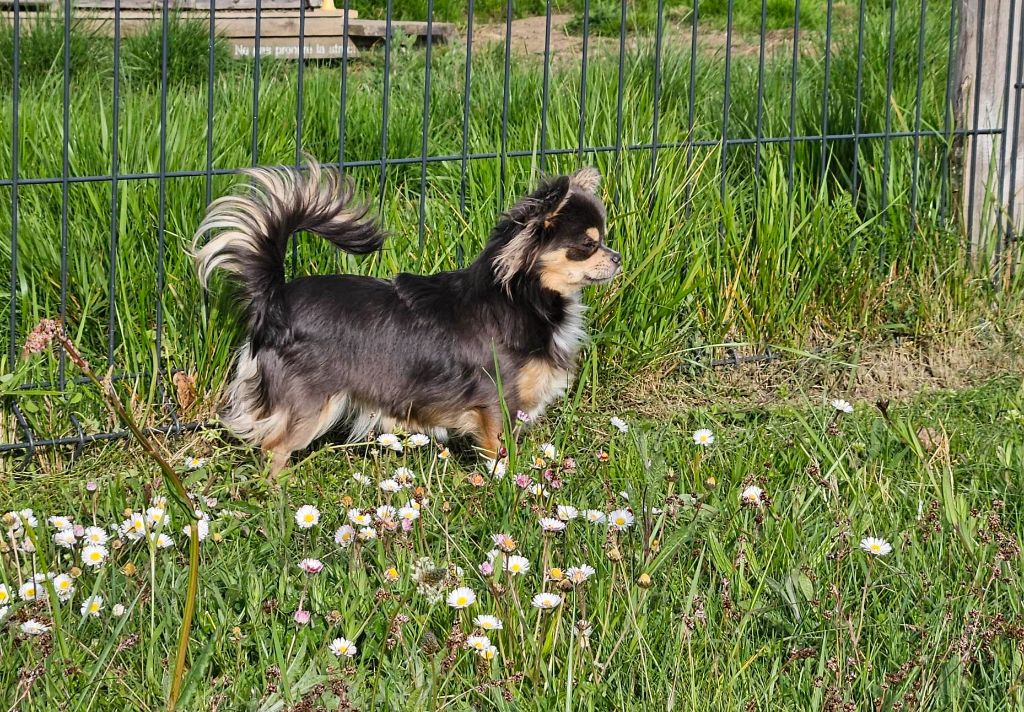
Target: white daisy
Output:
[(58, 522), (410, 513), (361, 479), (486, 622), (64, 585), (546, 601), (65, 538), (134, 527), (566, 512), (345, 535), (359, 517), (92, 606), (418, 440), (517, 565), (94, 555), (579, 574), (5, 595), (488, 653), (548, 451), (367, 533), (194, 463), (33, 627), (118, 610), (538, 490), (404, 476), (203, 525), (752, 496), (28, 519), (703, 437), (307, 516), (551, 525), (311, 566), (390, 485), (620, 519), (28, 591), (505, 542), (161, 540), (386, 511), (875, 546), (619, 423), (595, 516), (477, 642), (157, 515), (95, 535), (390, 441), (461, 597), (842, 405), (343, 647)]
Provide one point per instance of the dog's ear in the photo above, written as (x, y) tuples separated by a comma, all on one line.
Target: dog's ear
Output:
[(586, 179), (531, 215)]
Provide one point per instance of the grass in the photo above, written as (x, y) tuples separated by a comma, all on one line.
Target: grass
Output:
[(744, 607)]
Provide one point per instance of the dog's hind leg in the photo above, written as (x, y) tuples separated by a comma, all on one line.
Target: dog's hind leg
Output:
[(300, 429)]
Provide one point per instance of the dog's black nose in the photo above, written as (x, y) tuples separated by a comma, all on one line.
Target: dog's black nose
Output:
[(616, 257)]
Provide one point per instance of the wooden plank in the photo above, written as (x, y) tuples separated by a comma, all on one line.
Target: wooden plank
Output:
[(288, 48), (987, 161), (226, 5), (272, 24), (157, 5)]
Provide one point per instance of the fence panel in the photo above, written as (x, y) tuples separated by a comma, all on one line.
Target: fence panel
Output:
[(843, 98)]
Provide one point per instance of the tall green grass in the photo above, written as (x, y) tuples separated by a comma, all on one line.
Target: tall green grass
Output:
[(769, 264)]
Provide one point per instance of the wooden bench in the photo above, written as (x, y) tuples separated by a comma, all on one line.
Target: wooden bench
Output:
[(322, 27)]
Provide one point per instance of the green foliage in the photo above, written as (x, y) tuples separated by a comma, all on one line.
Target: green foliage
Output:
[(774, 606)]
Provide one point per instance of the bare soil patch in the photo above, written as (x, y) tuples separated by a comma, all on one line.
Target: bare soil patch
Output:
[(865, 373), (528, 38)]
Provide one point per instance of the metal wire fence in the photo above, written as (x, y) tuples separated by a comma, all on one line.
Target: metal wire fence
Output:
[(672, 28)]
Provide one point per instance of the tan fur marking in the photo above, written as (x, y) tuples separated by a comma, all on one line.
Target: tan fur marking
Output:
[(512, 257), (539, 383), (488, 433), (593, 232), (560, 274)]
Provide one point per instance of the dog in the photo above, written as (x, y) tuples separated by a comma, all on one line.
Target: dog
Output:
[(420, 352)]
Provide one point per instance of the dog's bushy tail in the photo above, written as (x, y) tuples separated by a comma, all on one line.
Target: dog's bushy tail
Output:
[(250, 233)]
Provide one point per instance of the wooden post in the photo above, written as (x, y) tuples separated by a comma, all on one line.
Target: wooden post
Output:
[(989, 100)]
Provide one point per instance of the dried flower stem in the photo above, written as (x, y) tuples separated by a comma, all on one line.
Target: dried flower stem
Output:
[(178, 492)]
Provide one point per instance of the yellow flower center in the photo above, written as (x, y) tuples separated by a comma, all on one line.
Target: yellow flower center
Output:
[(95, 556), (461, 601), (876, 547), (556, 573)]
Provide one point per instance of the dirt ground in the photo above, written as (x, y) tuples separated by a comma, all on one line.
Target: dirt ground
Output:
[(868, 373), (528, 38)]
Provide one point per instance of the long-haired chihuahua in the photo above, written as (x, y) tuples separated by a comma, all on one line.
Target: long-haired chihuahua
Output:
[(420, 352)]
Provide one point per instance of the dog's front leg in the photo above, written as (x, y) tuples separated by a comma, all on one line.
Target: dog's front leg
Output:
[(488, 432)]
